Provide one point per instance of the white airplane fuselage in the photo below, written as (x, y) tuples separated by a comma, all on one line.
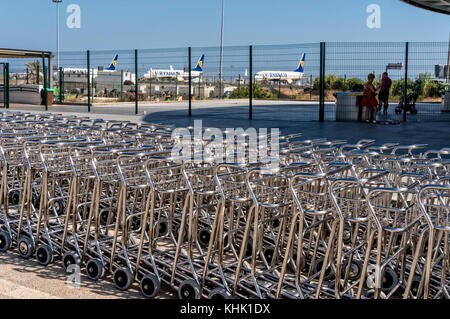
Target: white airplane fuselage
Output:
[(288, 76), (166, 74)]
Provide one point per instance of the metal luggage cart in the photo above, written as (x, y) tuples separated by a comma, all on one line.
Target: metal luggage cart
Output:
[(306, 262), (13, 168), (201, 210), (102, 223), (265, 233), (34, 195), (395, 221), (161, 228), (349, 199), (54, 193), (430, 271), (79, 202), (227, 231)]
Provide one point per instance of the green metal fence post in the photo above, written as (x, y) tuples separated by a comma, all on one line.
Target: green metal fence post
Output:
[(150, 85), (88, 57), (61, 75), (44, 71), (405, 88), (250, 87), (136, 110), (38, 80), (190, 82), (121, 83), (322, 83), (6, 86)]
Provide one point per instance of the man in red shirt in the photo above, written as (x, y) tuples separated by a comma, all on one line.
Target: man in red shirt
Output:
[(383, 96)]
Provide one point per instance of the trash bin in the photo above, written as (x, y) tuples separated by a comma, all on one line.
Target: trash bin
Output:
[(49, 96), (348, 106), (446, 102)]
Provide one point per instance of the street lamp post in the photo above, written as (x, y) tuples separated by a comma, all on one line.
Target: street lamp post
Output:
[(221, 51), (57, 27)]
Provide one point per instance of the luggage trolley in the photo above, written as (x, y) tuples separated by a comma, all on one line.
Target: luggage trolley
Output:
[(55, 191), (312, 229), (103, 211), (265, 230), (430, 276), (161, 228), (395, 221)]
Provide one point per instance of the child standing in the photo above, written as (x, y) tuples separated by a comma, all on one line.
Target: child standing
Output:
[(369, 99)]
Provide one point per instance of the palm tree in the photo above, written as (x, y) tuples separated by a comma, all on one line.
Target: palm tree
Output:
[(35, 67)]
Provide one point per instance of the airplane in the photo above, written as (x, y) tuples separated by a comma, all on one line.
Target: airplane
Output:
[(179, 74), (110, 68), (287, 76)]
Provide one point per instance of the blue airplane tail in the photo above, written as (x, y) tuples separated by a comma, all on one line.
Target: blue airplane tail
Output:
[(112, 66), (301, 65), (200, 62)]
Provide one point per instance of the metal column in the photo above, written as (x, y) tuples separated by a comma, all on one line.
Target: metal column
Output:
[(322, 83), (136, 106), (405, 88), (190, 81), (89, 79), (250, 87)]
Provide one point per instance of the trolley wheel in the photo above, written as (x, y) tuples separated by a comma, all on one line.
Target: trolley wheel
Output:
[(44, 254), (370, 294), (204, 235), (70, 258), (26, 247), (36, 201), (219, 293), (136, 223), (94, 269), (176, 232), (329, 273), (122, 278), (347, 235), (150, 286), (5, 241), (390, 279), (59, 206), (104, 215), (275, 223), (249, 248), (356, 267), (163, 229), (189, 289), (14, 197), (268, 254), (303, 261), (415, 285)]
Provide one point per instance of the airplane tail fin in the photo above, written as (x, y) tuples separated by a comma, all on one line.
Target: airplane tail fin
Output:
[(112, 66), (200, 62), (301, 65)]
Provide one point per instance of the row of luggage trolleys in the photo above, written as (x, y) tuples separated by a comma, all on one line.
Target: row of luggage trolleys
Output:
[(330, 220)]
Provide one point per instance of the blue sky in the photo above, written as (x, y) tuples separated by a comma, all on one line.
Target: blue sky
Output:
[(143, 24)]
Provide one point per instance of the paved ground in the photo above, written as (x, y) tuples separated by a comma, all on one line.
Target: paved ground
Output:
[(288, 116), (26, 279), (20, 278)]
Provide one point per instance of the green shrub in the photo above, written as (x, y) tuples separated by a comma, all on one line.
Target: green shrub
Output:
[(433, 89), (258, 92)]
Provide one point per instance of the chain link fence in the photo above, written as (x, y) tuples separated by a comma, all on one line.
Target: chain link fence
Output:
[(283, 77)]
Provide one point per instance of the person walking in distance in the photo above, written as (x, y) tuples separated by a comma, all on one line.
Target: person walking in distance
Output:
[(383, 96), (370, 100)]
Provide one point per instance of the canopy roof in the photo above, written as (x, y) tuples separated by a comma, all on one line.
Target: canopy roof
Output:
[(441, 6), (26, 54)]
